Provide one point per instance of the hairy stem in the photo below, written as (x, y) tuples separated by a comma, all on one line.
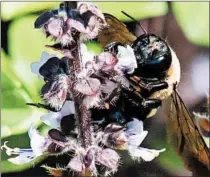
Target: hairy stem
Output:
[(82, 114)]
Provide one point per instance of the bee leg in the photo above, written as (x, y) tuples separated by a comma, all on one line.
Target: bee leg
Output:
[(136, 98), (39, 105), (152, 103), (113, 97), (147, 88), (157, 86), (144, 103), (138, 107)]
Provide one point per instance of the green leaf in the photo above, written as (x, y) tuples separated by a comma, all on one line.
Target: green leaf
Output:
[(193, 17), (15, 98), (26, 45), (137, 10), (12, 84), (11, 10), (17, 120), (16, 116), (9, 79)]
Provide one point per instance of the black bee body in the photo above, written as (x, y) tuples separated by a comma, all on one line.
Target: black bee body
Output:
[(153, 57)]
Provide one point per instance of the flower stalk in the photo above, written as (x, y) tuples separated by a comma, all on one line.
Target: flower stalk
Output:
[(75, 86)]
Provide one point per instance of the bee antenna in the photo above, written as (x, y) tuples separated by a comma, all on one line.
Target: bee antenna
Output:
[(145, 32)]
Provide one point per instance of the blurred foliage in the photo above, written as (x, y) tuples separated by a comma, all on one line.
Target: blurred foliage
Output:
[(175, 165), (137, 10), (16, 116), (193, 17), (10, 10), (25, 45)]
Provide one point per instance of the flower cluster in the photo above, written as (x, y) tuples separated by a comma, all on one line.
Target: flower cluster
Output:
[(62, 24), (81, 76)]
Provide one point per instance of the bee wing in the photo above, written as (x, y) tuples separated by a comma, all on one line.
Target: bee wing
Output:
[(116, 31), (185, 136)]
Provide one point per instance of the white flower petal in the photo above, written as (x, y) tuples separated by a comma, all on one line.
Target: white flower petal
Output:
[(68, 108), (109, 158), (22, 158), (144, 153), (87, 56), (35, 66), (44, 57), (136, 140), (52, 119), (135, 133), (135, 127), (76, 164), (38, 143), (10, 151), (126, 59)]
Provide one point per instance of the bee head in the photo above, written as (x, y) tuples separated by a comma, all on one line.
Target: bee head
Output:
[(153, 56)]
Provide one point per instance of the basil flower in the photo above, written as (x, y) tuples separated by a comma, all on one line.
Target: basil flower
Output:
[(35, 66), (57, 87), (53, 119), (39, 145), (87, 159), (126, 60), (135, 134)]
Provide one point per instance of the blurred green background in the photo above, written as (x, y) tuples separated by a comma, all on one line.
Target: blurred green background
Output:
[(186, 30)]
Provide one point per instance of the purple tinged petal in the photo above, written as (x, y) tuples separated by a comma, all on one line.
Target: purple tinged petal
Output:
[(108, 158), (76, 164), (38, 143), (35, 66), (135, 127), (136, 140), (135, 133), (68, 108), (53, 119)]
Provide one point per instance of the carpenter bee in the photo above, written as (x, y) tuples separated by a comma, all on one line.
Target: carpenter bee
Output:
[(156, 77)]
